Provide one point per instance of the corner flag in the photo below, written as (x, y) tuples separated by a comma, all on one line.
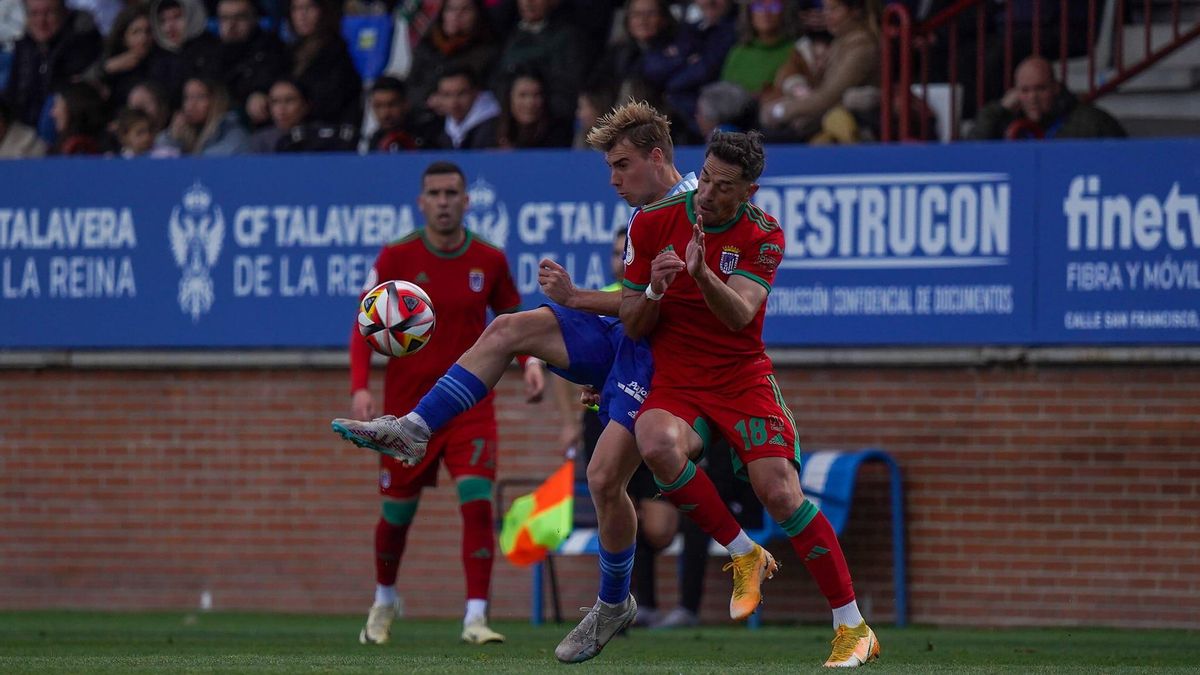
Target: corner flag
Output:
[(540, 522)]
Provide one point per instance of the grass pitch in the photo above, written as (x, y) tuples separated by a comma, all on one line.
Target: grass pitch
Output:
[(218, 642)]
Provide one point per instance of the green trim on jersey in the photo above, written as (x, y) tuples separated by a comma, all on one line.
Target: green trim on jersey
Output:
[(759, 218), (474, 488), (799, 519), (632, 286), (689, 472), (486, 242), (397, 512), (665, 202), (691, 210), (752, 277), (448, 254), (406, 238)]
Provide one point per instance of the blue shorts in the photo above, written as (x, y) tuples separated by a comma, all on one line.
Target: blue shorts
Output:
[(603, 358)]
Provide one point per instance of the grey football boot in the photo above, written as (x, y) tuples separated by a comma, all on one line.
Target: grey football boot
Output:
[(598, 626)]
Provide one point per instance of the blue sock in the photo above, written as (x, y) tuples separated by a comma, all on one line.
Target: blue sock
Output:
[(454, 394), (615, 571)]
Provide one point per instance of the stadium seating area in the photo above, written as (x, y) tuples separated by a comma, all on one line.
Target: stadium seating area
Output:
[(218, 77)]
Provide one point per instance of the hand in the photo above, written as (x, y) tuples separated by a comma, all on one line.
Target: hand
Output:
[(535, 380), (695, 250), (126, 60), (1011, 100), (588, 396), (362, 405), (663, 270), (257, 108), (555, 282)]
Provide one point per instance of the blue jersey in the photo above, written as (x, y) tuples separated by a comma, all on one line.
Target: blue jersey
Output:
[(603, 358)]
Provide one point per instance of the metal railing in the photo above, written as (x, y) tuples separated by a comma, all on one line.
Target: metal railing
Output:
[(908, 46)]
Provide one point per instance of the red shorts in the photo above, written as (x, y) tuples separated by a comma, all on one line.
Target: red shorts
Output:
[(468, 448), (756, 422)]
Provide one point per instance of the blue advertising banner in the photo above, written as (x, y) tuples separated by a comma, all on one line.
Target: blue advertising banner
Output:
[(962, 244), (1119, 251), (918, 245)]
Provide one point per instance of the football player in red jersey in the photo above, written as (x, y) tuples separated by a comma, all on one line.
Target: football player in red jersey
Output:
[(703, 314), (464, 277)]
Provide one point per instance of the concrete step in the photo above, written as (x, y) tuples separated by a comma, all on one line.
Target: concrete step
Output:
[(1178, 72), (1152, 105)]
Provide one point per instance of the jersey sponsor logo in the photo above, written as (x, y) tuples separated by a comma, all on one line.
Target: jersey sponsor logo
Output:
[(775, 422), (421, 278), (385, 479), (197, 231), (729, 259), (635, 390), (475, 279), (927, 220), (777, 439), (487, 216)]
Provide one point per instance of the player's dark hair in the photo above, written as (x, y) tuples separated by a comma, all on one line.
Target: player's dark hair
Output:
[(743, 149), (622, 231), (442, 168), (392, 84), (460, 71)]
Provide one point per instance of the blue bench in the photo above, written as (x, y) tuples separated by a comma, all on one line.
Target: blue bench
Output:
[(828, 479)]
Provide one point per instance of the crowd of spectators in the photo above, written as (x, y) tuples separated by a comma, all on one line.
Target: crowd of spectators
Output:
[(220, 77)]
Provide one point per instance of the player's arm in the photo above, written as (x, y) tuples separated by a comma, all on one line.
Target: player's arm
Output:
[(647, 277), (639, 304), (735, 302), (557, 286)]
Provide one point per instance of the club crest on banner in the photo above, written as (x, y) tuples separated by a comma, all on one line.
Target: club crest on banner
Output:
[(197, 232), (486, 215), (729, 259)]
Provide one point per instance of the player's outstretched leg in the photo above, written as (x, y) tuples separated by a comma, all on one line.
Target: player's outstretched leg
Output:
[(535, 332), (599, 625)]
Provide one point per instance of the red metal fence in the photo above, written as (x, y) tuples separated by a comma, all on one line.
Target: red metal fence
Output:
[(971, 46)]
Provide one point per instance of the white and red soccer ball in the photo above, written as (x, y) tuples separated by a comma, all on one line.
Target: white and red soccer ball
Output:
[(396, 318)]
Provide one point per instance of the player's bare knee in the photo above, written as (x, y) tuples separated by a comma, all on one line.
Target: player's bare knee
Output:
[(503, 333), (779, 497), (603, 483)]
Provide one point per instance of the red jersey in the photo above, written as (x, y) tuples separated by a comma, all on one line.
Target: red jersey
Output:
[(691, 347), (462, 284)]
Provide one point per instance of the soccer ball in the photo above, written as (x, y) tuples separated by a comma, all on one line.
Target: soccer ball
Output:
[(396, 318)]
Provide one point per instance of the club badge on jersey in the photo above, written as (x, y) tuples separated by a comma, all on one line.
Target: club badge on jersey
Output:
[(729, 259), (475, 279)]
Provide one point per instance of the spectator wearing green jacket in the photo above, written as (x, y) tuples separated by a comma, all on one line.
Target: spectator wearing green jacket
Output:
[(765, 37)]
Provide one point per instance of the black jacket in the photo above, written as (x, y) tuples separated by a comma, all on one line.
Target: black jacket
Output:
[(37, 70)]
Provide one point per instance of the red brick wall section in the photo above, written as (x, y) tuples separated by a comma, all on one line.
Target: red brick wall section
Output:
[(1049, 495)]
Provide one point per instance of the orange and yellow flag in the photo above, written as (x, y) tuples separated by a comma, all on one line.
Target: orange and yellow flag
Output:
[(540, 522)]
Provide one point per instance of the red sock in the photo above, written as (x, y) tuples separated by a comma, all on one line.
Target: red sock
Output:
[(478, 545), (389, 548), (694, 493), (818, 547)]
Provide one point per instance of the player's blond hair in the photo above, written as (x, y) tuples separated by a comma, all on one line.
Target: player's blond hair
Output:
[(638, 122)]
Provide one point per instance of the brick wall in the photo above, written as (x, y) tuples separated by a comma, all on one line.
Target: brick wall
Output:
[(1037, 495)]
